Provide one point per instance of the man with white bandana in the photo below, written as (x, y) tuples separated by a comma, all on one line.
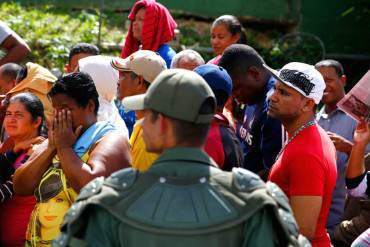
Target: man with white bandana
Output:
[(305, 168)]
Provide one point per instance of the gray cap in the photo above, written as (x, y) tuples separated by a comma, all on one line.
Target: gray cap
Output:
[(176, 93)]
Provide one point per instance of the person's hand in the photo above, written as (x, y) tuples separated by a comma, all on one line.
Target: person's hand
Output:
[(50, 126), (362, 133), (64, 136), (27, 144), (340, 143)]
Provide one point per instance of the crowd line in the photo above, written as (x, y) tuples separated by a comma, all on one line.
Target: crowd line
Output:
[(158, 148)]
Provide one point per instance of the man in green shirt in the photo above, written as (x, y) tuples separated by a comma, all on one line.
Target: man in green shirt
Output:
[(184, 199)]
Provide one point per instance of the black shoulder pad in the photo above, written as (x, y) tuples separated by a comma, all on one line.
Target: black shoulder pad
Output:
[(90, 189), (278, 195), (245, 180), (122, 179), (285, 211)]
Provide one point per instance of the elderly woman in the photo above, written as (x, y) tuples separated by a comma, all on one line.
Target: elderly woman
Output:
[(105, 79), (151, 28), (187, 59), (23, 122)]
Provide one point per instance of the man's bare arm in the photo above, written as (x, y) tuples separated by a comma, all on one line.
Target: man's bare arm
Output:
[(306, 210), (16, 50)]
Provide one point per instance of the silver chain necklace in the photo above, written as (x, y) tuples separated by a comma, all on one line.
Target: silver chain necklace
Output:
[(306, 125)]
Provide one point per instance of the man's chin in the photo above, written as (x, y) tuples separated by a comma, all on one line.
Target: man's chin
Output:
[(271, 114)]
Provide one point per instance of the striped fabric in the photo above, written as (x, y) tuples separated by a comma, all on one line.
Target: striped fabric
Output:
[(158, 28), (6, 191), (363, 240)]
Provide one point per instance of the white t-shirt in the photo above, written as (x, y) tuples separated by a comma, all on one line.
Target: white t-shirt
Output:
[(5, 31)]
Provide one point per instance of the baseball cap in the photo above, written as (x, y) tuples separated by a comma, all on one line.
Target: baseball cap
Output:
[(304, 78), (145, 63), (176, 93), (216, 77)]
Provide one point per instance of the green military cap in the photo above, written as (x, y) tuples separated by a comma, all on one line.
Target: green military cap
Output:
[(176, 93)]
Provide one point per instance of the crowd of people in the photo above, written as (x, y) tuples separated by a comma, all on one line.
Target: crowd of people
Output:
[(148, 149)]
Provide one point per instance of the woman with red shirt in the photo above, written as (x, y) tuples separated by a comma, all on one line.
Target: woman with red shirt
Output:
[(23, 123)]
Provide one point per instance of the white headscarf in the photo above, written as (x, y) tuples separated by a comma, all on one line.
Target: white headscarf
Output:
[(105, 79)]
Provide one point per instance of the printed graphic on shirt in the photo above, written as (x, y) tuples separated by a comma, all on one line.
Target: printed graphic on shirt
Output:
[(54, 197)]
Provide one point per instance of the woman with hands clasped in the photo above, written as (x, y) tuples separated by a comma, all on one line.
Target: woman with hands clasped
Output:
[(23, 122), (78, 149)]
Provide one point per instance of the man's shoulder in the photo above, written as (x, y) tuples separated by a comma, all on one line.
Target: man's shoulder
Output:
[(340, 117), (152, 203), (203, 192)]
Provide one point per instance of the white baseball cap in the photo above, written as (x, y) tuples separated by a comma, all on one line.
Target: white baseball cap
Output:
[(145, 63), (302, 77)]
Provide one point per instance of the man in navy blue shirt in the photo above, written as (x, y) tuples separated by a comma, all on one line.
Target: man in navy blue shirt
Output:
[(261, 135)]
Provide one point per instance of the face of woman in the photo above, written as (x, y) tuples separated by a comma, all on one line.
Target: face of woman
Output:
[(18, 121), (137, 25), (51, 213), (221, 38)]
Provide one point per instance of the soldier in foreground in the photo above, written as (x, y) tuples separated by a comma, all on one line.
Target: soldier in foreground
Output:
[(183, 199)]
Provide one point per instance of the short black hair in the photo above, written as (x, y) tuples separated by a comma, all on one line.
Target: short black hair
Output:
[(233, 25), (237, 58), (221, 97), (34, 106), (78, 86), (83, 48), (186, 132), (331, 63), (10, 70)]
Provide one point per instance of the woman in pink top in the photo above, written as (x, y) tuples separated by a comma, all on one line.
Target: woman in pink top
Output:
[(225, 31), (23, 123)]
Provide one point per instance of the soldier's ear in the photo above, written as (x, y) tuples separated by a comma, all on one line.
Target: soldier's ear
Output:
[(163, 124)]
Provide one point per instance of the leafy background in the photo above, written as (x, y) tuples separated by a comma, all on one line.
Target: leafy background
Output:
[(51, 32)]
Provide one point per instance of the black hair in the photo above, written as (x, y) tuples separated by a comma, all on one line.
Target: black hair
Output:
[(13, 71), (233, 25), (186, 132), (221, 97), (83, 48), (79, 86), (237, 58), (10, 70), (34, 106), (331, 63)]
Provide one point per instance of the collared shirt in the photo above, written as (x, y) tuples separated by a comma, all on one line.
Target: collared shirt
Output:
[(340, 123)]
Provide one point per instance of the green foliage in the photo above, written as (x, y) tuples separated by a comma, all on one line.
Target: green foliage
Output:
[(51, 31)]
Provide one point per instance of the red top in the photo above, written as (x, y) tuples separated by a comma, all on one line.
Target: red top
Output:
[(214, 146), (158, 28), (14, 216), (307, 167), (222, 144)]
